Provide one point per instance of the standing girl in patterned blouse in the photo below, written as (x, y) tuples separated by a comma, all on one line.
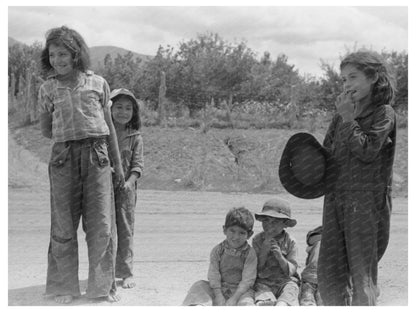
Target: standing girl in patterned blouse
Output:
[(74, 113)]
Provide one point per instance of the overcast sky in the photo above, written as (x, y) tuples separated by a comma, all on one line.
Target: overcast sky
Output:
[(304, 34)]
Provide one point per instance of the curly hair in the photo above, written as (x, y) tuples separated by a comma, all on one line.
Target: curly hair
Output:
[(241, 217), (372, 64), (72, 41)]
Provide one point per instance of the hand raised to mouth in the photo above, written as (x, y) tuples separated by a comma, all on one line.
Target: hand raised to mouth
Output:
[(345, 105)]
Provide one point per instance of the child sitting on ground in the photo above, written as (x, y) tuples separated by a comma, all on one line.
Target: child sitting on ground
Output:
[(309, 294), (232, 268), (277, 277)]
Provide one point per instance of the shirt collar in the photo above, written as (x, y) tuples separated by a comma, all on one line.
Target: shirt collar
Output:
[(244, 247)]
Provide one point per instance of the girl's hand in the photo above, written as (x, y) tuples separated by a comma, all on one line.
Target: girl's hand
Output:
[(128, 186), (345, 106)]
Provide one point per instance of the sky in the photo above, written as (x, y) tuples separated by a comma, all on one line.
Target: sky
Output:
[(306, 35)]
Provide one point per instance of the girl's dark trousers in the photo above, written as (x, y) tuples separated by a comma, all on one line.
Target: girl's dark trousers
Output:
[(355, 235), (81, 185), (125, 205)]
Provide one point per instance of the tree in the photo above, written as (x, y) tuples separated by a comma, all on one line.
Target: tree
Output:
[(236, 74), (150, 77), (273, 82), (200, 63), (20, 59), (399, 65), (331, 87)]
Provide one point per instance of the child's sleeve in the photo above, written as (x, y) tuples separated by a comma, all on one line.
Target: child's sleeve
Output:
[(44, 101), (214, 275), (256, 244), (137, 161), (106, 95), (291, 258), (249, 271), (367, 144), (314, 255)]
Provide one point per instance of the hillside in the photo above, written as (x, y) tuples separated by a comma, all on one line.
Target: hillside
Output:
[(187, 159), (12, 41), (98, 54)]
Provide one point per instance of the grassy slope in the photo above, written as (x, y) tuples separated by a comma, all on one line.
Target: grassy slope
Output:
[(186, 159)]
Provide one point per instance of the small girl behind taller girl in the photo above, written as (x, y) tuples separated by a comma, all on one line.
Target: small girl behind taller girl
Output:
[(126, 117)]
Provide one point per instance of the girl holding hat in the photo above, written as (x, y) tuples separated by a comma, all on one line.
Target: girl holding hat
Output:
[(356, 217)]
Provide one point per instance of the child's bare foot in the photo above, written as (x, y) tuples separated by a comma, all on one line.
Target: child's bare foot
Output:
[(64, 299), (128, 282), (113, 296)]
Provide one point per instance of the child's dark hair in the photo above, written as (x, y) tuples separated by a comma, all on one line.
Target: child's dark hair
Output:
[(135, 121), (241, 217), (71, 40), (371, 64)]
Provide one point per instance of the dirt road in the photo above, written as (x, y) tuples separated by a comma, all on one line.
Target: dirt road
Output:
[(174, 234)]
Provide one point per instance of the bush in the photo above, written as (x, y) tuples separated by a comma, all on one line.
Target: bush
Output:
[(220, 124)]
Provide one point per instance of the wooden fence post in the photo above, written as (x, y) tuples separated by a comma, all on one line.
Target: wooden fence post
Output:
[(31, 103), (12, 98), (162, 99)]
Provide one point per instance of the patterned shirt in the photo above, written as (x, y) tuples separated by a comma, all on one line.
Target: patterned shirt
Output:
[(271, 274), (76, 113), (231, 268)]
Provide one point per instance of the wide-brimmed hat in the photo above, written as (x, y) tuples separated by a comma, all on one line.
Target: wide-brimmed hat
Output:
[(307, 170), (122, 91), (277, 208)]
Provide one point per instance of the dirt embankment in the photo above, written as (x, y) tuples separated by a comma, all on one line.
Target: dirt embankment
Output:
[(228, 160)]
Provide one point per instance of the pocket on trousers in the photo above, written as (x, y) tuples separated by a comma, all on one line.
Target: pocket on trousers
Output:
[(362, 203), (60, 152), (101, 154)]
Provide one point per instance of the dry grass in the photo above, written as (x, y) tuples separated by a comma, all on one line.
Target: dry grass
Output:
[(190, 159)]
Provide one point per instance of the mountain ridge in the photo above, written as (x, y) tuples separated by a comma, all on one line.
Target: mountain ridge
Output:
[(98, 53)]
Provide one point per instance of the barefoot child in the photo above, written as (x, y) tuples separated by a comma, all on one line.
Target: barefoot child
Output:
[(74, 113), (277, 277), (126, 117), (232, 268), (356, 220)]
